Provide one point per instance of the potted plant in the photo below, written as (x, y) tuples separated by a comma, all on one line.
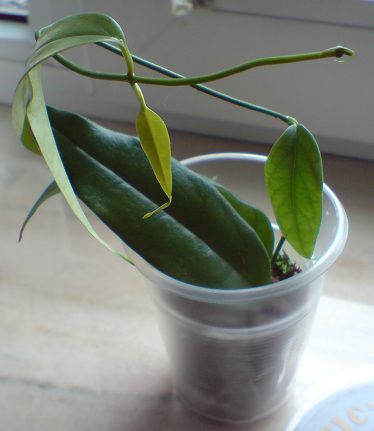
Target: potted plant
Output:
[(234, 307)]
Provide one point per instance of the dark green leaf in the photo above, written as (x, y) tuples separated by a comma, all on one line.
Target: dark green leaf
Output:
[(111, 161), (294, 179), (254, 217), (50, 191)]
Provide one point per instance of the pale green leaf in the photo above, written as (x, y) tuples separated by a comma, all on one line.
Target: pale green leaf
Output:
[(64, 34), (39, 124), (84, 24), (28, 138), (57, 46), (19, 106), (73, 31), (155, 141), (253, 216), (29, 111), (19, 117), (294, 179)]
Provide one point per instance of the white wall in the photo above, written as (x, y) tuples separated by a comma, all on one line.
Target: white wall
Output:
[(334, 100)]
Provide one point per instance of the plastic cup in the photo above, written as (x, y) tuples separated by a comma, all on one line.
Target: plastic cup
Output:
[(234, 352)]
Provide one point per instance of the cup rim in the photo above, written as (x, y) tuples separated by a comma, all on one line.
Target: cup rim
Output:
[(318, 268)]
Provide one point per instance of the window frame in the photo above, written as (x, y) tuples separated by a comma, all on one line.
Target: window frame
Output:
[(354, 13)]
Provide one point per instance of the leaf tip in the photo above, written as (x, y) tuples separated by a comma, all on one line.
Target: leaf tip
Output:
[(146, 216), (340, 51), (157, 210), (24, 224)]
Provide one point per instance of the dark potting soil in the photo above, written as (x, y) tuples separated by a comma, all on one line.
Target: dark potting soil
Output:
[(284, 268)]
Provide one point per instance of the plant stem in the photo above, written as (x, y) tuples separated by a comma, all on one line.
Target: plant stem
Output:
[(336, 52), (277, 250), (117, 77), (126, 54), (139, 95), (88, 72), (178, 79), (207, 90), (130, 75)]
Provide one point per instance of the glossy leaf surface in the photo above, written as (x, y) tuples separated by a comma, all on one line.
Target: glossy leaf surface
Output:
[(294, 179)]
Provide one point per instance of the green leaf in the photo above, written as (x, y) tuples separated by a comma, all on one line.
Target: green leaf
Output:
[(74, 31), (253, 216), (294, 179), (38, 121), (29, 113), (155, 141), (83, 29), (66, 33), (133, 190), (19, 106), (83, 24), (50, 191), (57, 46), (28, 138), (19, 117)]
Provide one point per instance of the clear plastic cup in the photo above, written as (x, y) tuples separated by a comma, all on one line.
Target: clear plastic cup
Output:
[(234, 352)]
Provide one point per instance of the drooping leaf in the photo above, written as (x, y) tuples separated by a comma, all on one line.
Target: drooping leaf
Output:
[(29, 111), (79, 30), (57, 46), (37, 118), (19, 117), (50, 191), (19, 106), (294, 179), (73, 31), (213, 220), (155, 141), (28, 138), (84, 24), (66, 33)]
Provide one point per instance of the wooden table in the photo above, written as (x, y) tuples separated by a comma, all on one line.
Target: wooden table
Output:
[(80, 363)]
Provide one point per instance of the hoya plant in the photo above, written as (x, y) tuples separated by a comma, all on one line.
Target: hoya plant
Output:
[(188, 226)]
